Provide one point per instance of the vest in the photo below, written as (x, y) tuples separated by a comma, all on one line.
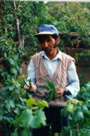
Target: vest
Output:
[(60, 75)]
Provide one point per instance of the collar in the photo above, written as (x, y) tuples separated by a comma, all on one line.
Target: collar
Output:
[(57, 57)]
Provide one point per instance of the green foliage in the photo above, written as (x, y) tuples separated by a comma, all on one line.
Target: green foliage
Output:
[(78, 111), (51, 87), (31, 117), (67, 17), (85, 92), (25, 118), (10, 64), (39, 119), (71, 17), (13, 108), (32, 102), (19, 111)]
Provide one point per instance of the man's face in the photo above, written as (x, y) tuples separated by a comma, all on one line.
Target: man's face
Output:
[(48, 43)]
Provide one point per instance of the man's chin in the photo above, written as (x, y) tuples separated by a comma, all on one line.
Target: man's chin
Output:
[(47, 52)]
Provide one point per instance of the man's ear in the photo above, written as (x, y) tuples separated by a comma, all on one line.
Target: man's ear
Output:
[(57, 40)]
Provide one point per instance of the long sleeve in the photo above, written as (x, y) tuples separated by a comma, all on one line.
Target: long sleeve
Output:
[(73, 80), (31, 72)]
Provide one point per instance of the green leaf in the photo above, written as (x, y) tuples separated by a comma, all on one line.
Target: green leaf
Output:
[(14, 71), (70, 108), (9, 104), (51, 86), (42, 104), (25, 119), (15, 133), (31, 102), (25, 132), (52, 90), (79, 115), (39, 119), (85, 109), (12, 62)]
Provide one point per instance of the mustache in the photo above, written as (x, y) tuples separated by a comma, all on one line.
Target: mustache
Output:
[(46, 50)]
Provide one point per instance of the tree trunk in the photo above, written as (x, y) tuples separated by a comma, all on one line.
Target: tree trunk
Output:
[(20, 38), (1, 15)]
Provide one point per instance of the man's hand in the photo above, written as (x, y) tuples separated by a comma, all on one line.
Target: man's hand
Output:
[(31, 88), (60, 91)]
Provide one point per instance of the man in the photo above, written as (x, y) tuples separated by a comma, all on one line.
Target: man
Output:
[(56, 66)]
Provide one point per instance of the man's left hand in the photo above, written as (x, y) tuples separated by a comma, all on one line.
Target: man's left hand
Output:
[(60, 91)]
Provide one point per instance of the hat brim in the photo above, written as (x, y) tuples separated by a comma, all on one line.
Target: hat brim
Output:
[(46, 33)]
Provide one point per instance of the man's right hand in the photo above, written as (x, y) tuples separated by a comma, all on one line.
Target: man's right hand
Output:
[(31, 88)]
